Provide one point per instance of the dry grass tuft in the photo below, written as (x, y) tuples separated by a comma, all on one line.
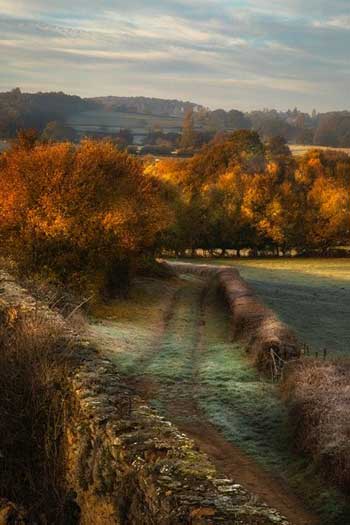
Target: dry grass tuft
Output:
[(33, 389), (319, 395)]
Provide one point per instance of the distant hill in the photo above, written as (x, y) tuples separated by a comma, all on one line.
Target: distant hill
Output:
[(103, 122), (34, 110), (145, 105), (106, 116)]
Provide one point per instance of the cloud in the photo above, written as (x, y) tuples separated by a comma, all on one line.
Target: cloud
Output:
[(335, 22), (241, 53)]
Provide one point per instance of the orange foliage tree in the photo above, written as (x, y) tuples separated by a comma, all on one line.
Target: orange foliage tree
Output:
[(78, 211), (239, 193)]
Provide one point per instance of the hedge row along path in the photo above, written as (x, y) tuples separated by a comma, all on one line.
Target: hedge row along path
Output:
[(192, 373)]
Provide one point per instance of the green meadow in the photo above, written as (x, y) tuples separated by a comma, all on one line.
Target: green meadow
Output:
[(312, 295)]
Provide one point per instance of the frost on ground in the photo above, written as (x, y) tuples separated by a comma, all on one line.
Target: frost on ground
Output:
[(311, 295), (172, 340)]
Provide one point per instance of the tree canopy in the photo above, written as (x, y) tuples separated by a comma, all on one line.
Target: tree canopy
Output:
[(77, 210), (240, 193)]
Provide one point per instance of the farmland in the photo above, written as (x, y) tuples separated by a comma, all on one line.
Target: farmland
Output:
[(113, 121), (298, 149), (311, 295)]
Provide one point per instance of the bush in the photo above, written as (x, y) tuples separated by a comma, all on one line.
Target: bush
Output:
[(318, 393), (79, 213)]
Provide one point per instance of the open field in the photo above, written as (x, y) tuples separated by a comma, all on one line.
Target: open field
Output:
[(172, 342), (311, 295), (113, 121), (299, 149)]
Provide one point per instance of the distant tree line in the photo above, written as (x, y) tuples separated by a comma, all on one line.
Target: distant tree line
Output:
[(202, 126), (319, 129), (23, 110), (145, 105)]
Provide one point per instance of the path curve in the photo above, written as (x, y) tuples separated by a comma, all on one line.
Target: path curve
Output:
[(185, 413)]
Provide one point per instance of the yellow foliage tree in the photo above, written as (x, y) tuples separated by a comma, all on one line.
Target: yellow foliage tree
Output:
[(78, 210)]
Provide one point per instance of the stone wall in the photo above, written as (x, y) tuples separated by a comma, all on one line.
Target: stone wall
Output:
[(124, 464)]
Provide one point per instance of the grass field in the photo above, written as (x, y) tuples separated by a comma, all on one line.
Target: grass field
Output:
[(114, 120), (311, 295), (230, 390), (298, 149)]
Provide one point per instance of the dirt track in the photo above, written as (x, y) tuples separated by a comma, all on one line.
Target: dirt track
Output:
[(170, 380)]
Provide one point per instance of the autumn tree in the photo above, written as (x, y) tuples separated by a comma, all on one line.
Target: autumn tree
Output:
[(188, 134), (239, 193), (85, 213), (324, 181)]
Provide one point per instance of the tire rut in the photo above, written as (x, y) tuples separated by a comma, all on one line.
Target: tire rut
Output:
[(179, 403)]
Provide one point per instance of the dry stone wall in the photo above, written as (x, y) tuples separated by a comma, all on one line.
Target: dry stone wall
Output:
[(124, 464)]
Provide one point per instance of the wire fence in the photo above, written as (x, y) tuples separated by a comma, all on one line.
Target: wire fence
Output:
[(277, 363)]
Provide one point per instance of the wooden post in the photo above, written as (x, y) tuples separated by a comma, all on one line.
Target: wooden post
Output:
[(272, 353)]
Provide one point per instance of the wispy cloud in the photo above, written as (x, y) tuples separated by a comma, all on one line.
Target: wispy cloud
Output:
[(334, 22), (243, 53)]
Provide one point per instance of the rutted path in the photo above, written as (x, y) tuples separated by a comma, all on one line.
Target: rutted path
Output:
[(184, 374)]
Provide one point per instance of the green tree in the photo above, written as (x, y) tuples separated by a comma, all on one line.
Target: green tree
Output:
[(56, 131)]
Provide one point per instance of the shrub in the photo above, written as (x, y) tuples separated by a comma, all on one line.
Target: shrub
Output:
[(318, 393), (82, 213)]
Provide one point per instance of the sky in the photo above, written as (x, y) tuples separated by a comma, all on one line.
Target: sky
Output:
[(244, 54)]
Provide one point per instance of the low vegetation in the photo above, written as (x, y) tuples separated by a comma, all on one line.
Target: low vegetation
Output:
[(33, 389), (311, 295), (318, 395), (192, 360), (316, 390)]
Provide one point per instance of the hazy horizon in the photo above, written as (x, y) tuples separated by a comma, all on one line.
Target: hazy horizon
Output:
[(244, 54)]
